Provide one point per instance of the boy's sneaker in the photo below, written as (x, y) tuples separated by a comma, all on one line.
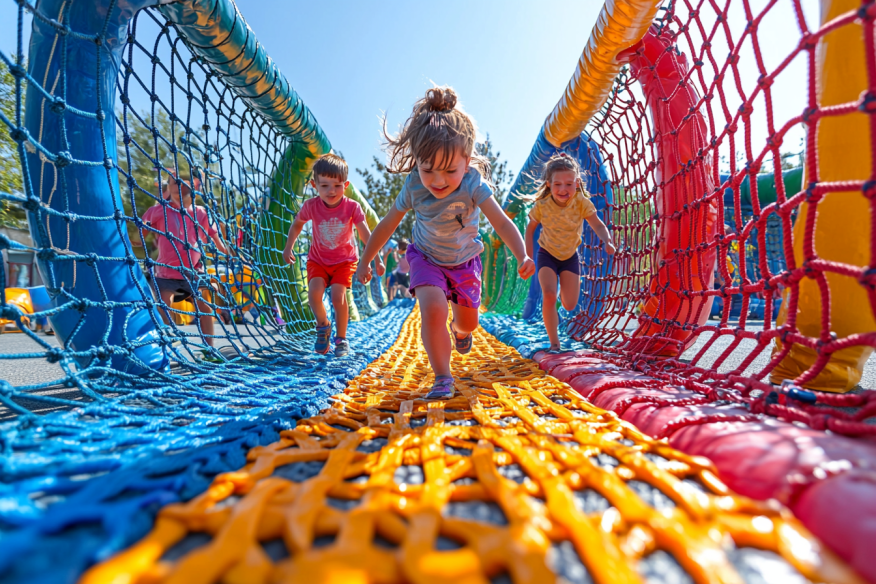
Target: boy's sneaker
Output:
[(342, 347), (323, 334), (442, 388)]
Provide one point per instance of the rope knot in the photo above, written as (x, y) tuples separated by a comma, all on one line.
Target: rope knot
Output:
[(63, 159)]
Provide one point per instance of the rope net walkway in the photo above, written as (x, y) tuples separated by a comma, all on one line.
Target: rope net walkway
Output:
[(516, 477)]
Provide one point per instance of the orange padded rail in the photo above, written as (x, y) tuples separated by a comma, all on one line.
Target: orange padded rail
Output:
[(508, 415)]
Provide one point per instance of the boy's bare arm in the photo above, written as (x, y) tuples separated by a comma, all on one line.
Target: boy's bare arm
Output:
[(220, 245), (294, 232), (602, 232), (507, 231)]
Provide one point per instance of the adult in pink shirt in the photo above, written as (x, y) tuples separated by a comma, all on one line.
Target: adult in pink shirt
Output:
[(178, 230)]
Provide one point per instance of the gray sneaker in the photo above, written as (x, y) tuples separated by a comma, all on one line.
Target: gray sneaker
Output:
[(342, 347)]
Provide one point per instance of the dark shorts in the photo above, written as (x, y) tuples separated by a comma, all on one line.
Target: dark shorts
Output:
[(461, 284), (182, 289), (403, 280), (546, 260)]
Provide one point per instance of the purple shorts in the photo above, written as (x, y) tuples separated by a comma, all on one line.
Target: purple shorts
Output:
[(461, 284)]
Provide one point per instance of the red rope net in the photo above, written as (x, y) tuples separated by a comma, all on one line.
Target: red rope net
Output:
[(738, 144)]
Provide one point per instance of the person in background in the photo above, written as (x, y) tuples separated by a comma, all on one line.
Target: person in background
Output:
[(182, 230), (390, 258), (402, 271), (561, 207)]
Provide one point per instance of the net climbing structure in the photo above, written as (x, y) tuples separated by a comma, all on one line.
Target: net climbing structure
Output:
[(199, 440)]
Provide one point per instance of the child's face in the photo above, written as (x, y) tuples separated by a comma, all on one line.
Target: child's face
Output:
[(443, 179), (176, 188), (330, 189), (563, 185)]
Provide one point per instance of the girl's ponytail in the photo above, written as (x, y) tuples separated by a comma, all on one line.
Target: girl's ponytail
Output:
[(437, 129)]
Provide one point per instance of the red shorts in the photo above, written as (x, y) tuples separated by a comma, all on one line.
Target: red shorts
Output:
[(336, 274)]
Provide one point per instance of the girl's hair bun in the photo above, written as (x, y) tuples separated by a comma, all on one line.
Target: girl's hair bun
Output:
[(441, 99)]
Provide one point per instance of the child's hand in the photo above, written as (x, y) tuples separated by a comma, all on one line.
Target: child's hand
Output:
[(381, 268), (363, 274), (610, 249), (288, 256), (527, 268)]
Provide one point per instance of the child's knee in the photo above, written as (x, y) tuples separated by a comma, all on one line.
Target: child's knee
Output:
[(339, 296), (549, 297), (569, 304)]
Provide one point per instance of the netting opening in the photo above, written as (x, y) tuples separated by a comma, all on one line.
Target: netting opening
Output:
[(718, 147), (707, 153)]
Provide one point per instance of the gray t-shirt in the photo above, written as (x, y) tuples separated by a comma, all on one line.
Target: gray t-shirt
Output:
[(446, 230)]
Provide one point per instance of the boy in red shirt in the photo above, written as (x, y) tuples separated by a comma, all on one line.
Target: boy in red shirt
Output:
[(182, 229), (333, 256)]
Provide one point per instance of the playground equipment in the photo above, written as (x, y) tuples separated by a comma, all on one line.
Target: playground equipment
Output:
[(159, 465)]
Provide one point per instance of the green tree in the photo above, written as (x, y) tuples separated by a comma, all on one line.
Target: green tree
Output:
[(11, 214), (144, 157), (381, 189), (502, 177)]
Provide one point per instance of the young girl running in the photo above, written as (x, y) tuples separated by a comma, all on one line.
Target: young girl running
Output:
[(561, 207), (445, 188)]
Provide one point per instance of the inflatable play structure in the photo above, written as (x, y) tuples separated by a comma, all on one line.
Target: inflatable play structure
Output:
[(705, 424)]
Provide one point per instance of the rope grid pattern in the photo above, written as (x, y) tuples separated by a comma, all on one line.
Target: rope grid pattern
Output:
[(88, 453), (516, 475), (712, 183)]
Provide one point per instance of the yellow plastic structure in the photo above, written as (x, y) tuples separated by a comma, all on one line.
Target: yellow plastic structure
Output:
[(19, 297), (842, 228), (621, 24), (507, 414)]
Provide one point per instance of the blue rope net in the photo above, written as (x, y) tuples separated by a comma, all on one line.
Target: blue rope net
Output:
[(145, 406)]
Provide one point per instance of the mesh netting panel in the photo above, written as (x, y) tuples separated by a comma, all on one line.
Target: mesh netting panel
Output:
[(729, 161), (227, 292), (701, 136), (130, 384)]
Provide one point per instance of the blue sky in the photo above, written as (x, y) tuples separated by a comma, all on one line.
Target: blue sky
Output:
[(353, 60), (509, 60)]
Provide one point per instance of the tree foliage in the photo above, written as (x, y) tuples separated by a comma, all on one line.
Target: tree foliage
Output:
[(11, 214), (501, 176), (381, 190), (143, 154)]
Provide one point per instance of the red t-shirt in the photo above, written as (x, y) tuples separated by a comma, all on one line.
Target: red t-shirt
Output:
[(183, 228), (333, 241)]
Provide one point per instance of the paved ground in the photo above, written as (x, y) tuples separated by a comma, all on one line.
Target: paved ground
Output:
[(746, 346), (35, 370), (31, 368)]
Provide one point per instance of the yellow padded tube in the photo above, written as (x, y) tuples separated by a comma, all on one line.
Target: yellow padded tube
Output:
[(842, 229), (621, 24)]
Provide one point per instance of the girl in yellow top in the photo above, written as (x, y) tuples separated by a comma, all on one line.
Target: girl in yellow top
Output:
[(561, 206)]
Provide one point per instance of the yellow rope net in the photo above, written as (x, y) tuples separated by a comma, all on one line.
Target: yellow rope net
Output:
[(516, 479)]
